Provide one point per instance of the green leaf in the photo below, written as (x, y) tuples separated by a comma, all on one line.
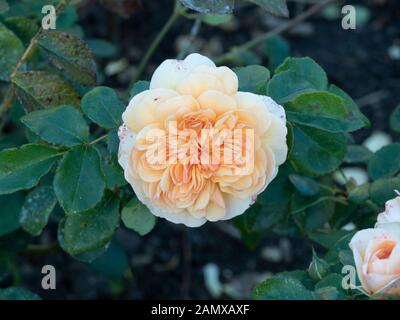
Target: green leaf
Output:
[(307, 68), (357, 154), (331, 240), (258, 220), (113, 263), (358, 119), (287, 85), (395, 119), (321, 110), (102, 48), (309, 142), (71, 55), (276, 7), (10, 207), (79, 182), (41, 90), (280, 189), (4, 6), (385, 162), (300, 204), (359, 194), (217, 19), (294, 77), (139, 87), (382, 190), (23, 167), (331, 280), (320, 213), (279, 288), (113, 142), (346, 257), (113, 173), (210, 6), (23, 27), (11, 49), (277, 50), (62, 125), (306, 186), (17, 293), (36, 210), (86, 257), (327, 293), (103, 107), (90, 230), (253, 78), (137, 217)]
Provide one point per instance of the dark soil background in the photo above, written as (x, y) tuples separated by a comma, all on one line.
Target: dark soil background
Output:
[(169, 262)]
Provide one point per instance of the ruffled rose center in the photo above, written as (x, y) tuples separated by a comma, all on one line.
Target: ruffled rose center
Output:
[(184, 158), (385, 249), (379, 257)]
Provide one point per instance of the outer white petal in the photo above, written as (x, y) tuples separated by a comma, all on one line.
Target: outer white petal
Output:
[(141, 110), (362, 238), (126, 138), (275, 137), (171, 71), (274, 108), (380, 282), (391, 213), (236, 206), (254, 104)]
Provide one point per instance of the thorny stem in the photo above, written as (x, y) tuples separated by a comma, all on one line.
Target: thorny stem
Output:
[(280, 29), (9, 97), (176, 13)]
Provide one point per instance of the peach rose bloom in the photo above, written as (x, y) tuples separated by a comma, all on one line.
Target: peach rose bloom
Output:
[(199, 97), (377, 257), (391, 213)]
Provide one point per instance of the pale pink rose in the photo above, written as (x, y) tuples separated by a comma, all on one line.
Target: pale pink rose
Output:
[(193, 106), (391, 213), (377, 257)]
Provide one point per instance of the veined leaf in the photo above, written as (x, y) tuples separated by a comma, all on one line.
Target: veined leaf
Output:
[(62, 125), (79, 182), (90, 230), (36, 210), (11, 49), (41, 90), (317, 151), (71, 55), (103, 107), (23, 167), (137, 217)]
